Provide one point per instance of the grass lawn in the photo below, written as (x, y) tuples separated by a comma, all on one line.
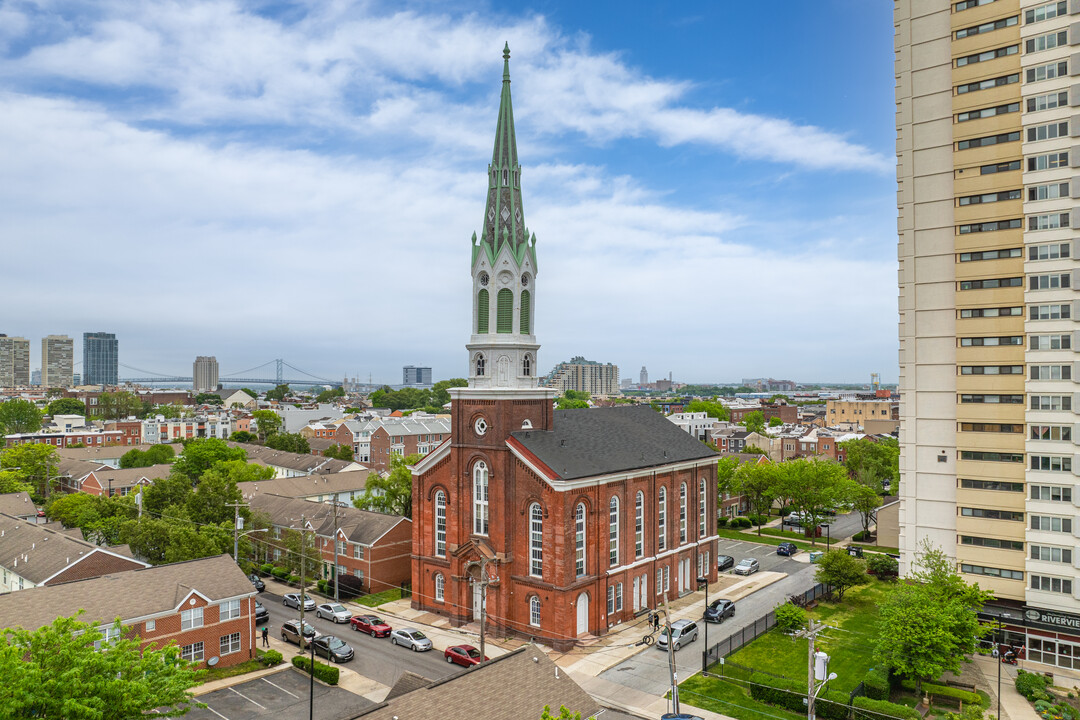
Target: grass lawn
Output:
[(850, 647), (377, 599), (220, 673), (729, 698)]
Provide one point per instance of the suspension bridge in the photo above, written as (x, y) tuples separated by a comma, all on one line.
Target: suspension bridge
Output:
[(149, 376)]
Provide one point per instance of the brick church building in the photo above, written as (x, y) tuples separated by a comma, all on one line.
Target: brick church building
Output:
[(559, 523)]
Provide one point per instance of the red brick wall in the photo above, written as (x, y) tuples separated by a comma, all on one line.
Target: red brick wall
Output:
[(168, 629), (94, 565), (387, 564)]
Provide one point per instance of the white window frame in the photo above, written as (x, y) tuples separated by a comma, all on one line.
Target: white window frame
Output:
[(190, 619), (661, 519), (536, 540), (195, 652), (228, 610), (229, 644), (683, 502), (440, 523), (481, 479), (440, 587), (702, 500), (613, 531), (579, 540), (639, 524), (534, 611)]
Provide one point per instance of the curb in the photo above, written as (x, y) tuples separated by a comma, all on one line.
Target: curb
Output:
[(240, 679)]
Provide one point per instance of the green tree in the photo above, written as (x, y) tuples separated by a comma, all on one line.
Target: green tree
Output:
[(119, 405), (34, 464), (301, 545), (877, 460), (564, 714), (56, 671), (99, 517), (712, 408), (814, 487), (156, 455), (757, 483), (841, 571), (66, 406), (865, 500), (327, 395), (572, 400), (201, 454), (753, 450), (175, 539), (251, 393), (243, 436), (391, 494), (208, 505), (440, 391), (208, 399), (268, 423), (279, 393), (289, 442), (19, 416), (11, 482), (775, 422), (166, 493), (339, 452), (725, 474), (754, 422)]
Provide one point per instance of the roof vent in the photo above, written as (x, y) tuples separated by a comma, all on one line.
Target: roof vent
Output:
[(526, 424), (562, 443)]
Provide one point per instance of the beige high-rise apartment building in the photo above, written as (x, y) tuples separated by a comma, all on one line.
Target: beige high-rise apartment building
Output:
[(584, 376), (57, 361), (14, 362), (204, 374), (987, 97)]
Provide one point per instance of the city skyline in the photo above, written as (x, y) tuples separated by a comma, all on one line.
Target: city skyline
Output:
[(654, 157)]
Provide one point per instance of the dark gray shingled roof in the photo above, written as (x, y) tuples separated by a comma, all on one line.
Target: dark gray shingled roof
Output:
[(600, 441)]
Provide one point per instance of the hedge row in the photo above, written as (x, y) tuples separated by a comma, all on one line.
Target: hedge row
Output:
[(867, 709), (791, 694), (944, 691), (833, 705), (327, 673), (876, 684)]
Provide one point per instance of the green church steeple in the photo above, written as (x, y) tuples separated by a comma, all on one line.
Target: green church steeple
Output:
[(504, 215)]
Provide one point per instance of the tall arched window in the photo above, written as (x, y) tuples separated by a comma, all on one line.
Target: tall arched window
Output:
[(440, 523), (480, 498), (506, 177), (682, 513), (526, 366), (536, 540), (481, 364), (526, 307), (579, 540), (504, 312), (661, 520), (482, 314), (639, 524), (701, 508), (534, 611), (440, 587), (613, 531)]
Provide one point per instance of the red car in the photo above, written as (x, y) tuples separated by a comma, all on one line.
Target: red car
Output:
[(465, 655), (371, 624)]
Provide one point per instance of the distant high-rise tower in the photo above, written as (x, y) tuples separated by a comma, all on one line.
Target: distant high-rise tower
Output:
[(14, 361), (416, 376), (204, 374), (99, 358), (644, 378), (57, 361)]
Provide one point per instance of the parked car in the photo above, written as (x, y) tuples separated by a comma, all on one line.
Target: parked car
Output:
[(334, 649), (718, 610), (747, 566), (293, 600), (257, 582), (40, 512), (680, 716), (373, 625), (787, 548), (723, 562), (465, 655), (333, 611), (682, 632), (796, 518), (410, 638), (261, 613), (290, 632)]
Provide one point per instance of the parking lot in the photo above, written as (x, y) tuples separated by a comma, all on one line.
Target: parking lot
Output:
[(283, 696), (764, 554)]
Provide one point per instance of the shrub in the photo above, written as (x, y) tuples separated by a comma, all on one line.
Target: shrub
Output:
[(266, 569), (321, 584), (882, 565), (741, 522), (961, 696), (833, 705), (280, 573), (349, 586), (867, 709), (722, 521), (294, 579), (1031, 685), (778, 691), (271, 658), (876, 684), (327, 673), (789, 618)]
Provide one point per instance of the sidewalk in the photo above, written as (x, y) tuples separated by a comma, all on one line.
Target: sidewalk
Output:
[(1014, 706)]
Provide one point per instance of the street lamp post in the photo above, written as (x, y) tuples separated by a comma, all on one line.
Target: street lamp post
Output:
[(828, 537), (703, 584)]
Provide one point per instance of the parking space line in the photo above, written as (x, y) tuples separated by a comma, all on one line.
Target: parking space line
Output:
[(216, 713), (280, 688), (247, 698)]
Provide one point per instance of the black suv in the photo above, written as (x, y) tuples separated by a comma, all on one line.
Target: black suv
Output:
[(261, 613), (718, 610), (257, 582)]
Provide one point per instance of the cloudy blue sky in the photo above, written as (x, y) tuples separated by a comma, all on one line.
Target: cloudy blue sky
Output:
[(711, 184)]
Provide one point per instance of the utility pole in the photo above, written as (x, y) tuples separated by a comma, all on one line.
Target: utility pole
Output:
[(811, 633), (336, 566), (672, 671), (483, 582), (235, 529)]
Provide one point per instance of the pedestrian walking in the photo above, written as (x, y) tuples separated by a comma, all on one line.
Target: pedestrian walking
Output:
[(656, 620), (266, 636)]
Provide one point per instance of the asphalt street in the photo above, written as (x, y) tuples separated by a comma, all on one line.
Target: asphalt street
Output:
[(375, 658), (648, 670)]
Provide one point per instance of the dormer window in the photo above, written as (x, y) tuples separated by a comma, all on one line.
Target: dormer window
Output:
[(506, 177)]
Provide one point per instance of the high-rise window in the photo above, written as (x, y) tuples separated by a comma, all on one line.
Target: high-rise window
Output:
[(536, 540), (613, 531), (639, 524), (480, 498), (440, 523), (579, 540), (661, 520)]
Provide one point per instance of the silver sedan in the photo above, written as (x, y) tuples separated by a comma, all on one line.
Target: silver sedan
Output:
[(410, 638), (333, 611)]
